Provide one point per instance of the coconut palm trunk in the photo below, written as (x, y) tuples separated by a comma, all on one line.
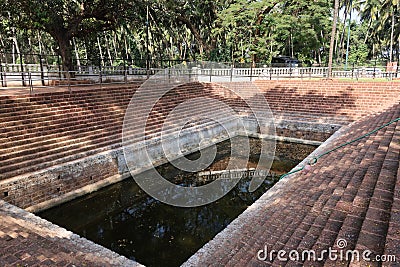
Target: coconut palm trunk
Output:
[(332, 44)]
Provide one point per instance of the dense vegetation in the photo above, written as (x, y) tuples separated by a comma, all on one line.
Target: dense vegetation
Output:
[(113, 31)]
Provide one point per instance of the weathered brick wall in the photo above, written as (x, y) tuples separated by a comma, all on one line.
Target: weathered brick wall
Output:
[(305, 134), (347, 101)]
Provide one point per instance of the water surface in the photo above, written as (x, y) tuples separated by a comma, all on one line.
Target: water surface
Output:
[(126, 220)]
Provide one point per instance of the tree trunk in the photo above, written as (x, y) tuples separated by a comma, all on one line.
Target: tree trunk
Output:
[(391, 37), (398, 50), (333, 33), (40, 43), (78, 61), (65, 51), (101, 62), (108, 51), (341, 44), (206, 47)]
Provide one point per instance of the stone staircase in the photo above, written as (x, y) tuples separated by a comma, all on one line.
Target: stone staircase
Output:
[(43, 130), (27, 240), (349, 195), (53, 128)]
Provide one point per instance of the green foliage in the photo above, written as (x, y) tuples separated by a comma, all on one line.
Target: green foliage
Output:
[(247, 31), (65, 19), (259, 30)]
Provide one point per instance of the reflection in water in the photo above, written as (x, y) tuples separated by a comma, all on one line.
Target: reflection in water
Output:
[(125, 219)]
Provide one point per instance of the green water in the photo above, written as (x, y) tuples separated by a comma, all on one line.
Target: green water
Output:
[(126, 220)]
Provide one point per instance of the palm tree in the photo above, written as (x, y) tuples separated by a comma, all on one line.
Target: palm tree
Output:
[(381, 15), (332, 44)]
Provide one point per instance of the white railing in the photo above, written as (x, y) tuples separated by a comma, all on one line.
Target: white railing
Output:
[(17, 74)]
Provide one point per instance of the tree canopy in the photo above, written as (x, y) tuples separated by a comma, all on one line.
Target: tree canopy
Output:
[(105, 32)]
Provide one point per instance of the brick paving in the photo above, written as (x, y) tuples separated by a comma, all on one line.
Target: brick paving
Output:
[(26, 240), (352, 194)]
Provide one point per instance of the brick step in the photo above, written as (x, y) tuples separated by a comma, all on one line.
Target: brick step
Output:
[(322, 112), (376, 226), (43, 112), (347, 227), (297, 220), (69, 130), (57, 152), (156, 124), (54, 97), (46, 143), (289, 103), (37, 153), (359, 200), (317, 233), (49, 126), (44, 107), (393, 232), (318, 99), (70, 127), (51, 251), (319, 208), (35, 145), (154, 127), (6, 100), (30, 120), (60, 95), (50, 99), (54, 120), (289, 108), (103, 144), (37, 113)]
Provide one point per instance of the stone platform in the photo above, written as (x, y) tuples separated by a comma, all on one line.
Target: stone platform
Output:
[(27, 240)]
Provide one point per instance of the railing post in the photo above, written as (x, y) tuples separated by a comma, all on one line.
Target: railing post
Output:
[(100, 75), (22, 69), (100, 78), (211, 73), (126, 76), (59, 67), (30, 83), (374, 70), (1, 74), (352, 73), (125, 72), (231, 78), (69, 81), (270, 73), (251, 72), (41, 69)]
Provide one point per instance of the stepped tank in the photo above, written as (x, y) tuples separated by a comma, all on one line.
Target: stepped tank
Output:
[(126, 220)]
